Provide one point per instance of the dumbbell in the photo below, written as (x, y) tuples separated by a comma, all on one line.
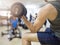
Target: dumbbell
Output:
[(18, 9), (2, 34)]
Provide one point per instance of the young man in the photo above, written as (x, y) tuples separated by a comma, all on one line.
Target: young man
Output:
[(14, 28), (13, 23), (50, 11), (52, 14)]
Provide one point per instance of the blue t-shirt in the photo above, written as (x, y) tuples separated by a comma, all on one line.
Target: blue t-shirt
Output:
[(14, 23)]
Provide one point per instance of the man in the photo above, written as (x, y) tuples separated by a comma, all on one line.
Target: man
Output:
[(14, 28), (13, 23), (51, 12)]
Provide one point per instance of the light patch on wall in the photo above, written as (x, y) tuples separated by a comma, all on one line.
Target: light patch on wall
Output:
[(5, 13)]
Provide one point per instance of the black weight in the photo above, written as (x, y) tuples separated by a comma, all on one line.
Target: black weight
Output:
[(2, 34), (25, 11), (18, 9), (10, 39)]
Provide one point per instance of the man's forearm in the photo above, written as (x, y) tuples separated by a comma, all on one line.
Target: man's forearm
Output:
[(28, 24)]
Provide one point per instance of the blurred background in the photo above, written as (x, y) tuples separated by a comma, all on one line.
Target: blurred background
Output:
[(32, 6)]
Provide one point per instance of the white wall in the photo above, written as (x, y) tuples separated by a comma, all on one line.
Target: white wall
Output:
[(7, 3)]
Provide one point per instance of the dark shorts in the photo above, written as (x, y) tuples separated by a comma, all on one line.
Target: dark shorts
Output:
[(48, 37)]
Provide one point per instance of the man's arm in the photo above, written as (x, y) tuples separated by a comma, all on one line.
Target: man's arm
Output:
[(45, 13)]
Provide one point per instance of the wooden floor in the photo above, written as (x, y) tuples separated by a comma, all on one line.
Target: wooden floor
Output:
[(4, 40)]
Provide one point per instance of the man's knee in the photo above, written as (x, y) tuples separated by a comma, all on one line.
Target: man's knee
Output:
[(25, 36)]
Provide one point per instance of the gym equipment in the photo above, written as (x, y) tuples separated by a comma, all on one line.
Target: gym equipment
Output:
[(21, 23), (15, 34), (18, 9)]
